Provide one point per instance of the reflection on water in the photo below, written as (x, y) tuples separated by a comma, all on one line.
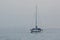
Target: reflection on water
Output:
[(47, 34)]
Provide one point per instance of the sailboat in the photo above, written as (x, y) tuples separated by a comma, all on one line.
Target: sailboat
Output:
[(36, 29)]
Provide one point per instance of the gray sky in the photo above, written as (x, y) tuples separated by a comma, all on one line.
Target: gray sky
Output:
[(20, 13)]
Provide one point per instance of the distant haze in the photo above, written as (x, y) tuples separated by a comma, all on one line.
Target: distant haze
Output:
[(21, 13)]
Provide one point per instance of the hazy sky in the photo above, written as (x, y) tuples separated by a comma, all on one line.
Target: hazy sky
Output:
[(21, 13)]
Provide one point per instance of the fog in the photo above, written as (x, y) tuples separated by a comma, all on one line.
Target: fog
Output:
[(21, 13)]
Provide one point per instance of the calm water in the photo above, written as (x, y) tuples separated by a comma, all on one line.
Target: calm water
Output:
[(47, 34)]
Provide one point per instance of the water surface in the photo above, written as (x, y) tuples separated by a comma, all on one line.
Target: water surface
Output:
[(46, 34)]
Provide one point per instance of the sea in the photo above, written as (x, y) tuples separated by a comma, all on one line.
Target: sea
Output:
[(24, 34)]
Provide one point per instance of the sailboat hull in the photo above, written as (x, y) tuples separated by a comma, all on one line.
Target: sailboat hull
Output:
[(34, 30)]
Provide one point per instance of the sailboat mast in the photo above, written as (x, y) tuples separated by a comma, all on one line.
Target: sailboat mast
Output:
[(36, 17)]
